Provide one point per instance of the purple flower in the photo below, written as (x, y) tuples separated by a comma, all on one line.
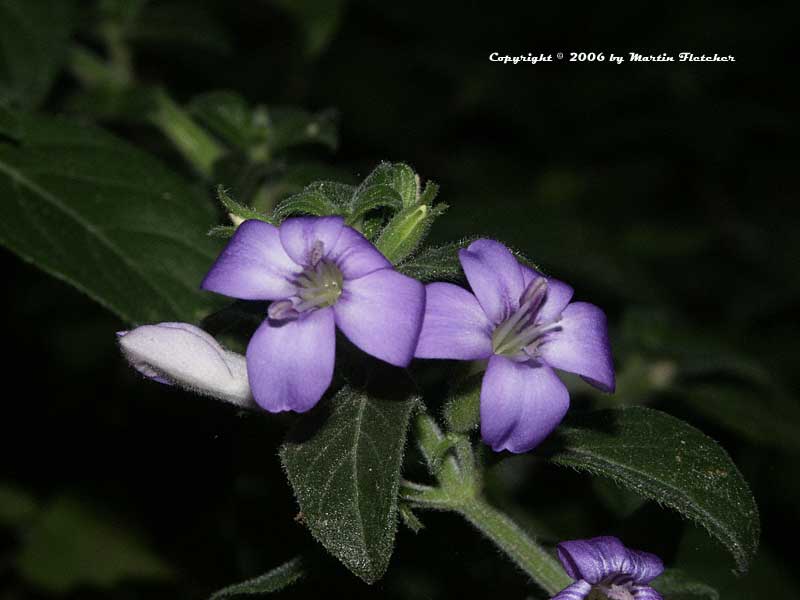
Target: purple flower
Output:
[(606, 569), (525, 325), (319, 274)]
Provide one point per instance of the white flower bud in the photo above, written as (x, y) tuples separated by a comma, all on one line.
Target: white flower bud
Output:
[(184, 355)]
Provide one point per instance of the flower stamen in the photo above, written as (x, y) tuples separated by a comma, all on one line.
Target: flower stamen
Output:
[(319, 286), (520, 334)]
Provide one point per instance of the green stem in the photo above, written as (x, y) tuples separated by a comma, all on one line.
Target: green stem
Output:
[(459, 491), (118, 51), (92, 71), (192, 141), (520, 548)]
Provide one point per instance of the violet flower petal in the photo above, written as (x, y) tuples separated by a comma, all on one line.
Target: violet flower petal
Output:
[(355, 256), (644, 566), (576, 591), (558, 294), (645, 592), (301, 237), (290, 363), (594, 559), (253, 266), (581, 345), (382, 313), (184, 355), (494, 276), (455, 325), (521, 403)]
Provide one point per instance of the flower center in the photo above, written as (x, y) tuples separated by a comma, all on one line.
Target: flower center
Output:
[(610, 592), (318, 286), (518, 336)]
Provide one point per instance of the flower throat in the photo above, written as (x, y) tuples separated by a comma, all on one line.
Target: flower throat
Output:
[(318, 286), (518, 336)]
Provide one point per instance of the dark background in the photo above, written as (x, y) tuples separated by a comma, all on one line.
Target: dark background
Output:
[(664, 192)]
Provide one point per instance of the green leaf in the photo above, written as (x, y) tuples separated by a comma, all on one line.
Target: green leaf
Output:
[(398, 176), (669, 461), (676, 585), (409, 518), (429, 194), (238, 210), (375, 196), (436, 263), (105, 217), (72, 545), (33, 40), (343, 461), (271, 581), (310, 201), (222, 232)]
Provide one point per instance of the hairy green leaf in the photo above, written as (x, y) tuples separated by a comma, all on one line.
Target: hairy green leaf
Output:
[(398, 176), (271, 581), (343, 461), (666, 460), (436, 263), (105, 217), (410, 519), (238, 210), (370, 198), (33, 39), (311, 201)]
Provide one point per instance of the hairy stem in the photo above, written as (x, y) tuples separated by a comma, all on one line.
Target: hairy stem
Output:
[(459, 491), (520, 548)]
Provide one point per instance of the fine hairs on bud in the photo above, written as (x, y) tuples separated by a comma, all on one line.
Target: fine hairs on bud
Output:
[(184, 355)]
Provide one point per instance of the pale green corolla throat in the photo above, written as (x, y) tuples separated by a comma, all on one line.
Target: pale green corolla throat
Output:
[(318, 285), (520, 335)]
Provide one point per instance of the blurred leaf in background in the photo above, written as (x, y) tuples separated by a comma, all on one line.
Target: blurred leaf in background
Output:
[(72, 544), (33, 46), (111, 220)]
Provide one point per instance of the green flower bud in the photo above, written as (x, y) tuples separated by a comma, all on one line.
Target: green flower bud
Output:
[(407, 230)]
